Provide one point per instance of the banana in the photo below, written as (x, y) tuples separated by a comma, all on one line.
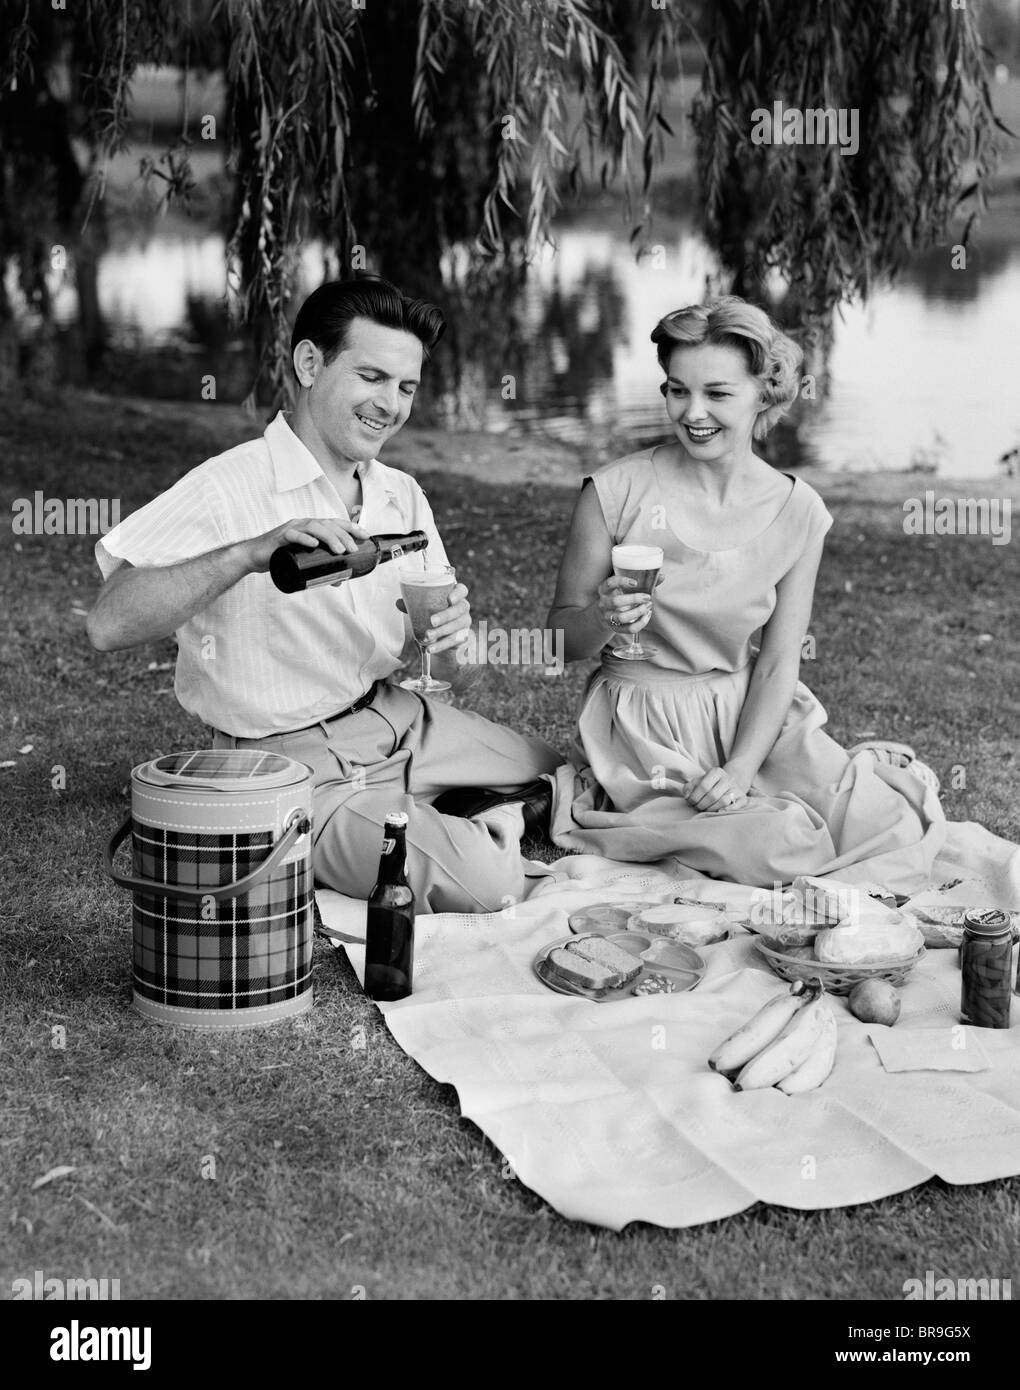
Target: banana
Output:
[(819, 1063), (793, 1046), (759, 1031)]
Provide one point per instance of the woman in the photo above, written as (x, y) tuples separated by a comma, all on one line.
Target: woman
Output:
[(712, 750)]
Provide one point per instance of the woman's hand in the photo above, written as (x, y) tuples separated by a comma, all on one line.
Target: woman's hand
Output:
[(620, 608), (719, 789)]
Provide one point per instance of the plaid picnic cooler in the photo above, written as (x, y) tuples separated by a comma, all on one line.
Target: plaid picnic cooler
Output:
[(222, 883)]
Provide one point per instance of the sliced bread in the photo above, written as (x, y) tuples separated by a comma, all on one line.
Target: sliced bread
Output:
[(574, 969), (624, 966)]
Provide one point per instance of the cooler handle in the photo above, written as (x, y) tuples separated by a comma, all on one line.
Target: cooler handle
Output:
[(298, 825)]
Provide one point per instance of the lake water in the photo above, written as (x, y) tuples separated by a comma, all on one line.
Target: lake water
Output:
[(923, 376)]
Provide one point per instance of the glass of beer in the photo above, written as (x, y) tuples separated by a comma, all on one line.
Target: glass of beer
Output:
[(426, 592), (641, 563)]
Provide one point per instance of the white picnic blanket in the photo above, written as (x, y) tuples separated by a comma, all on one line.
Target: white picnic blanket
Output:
[(608, 1110)]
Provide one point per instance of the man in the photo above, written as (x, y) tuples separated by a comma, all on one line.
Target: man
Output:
[(306, 674)]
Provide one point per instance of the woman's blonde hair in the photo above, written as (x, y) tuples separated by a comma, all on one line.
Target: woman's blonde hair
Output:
[(772, 358)]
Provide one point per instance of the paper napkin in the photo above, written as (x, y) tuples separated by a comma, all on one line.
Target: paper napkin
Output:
[(955, 1048)]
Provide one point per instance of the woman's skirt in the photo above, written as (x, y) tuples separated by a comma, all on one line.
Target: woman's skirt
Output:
[(643, 733)]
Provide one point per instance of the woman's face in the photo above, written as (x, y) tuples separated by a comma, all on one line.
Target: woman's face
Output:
[(712, 401)]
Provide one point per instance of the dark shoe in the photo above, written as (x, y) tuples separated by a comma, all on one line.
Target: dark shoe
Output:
[(535, 798)]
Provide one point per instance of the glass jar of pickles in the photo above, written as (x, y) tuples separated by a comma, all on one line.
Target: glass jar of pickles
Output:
[(986, 958)]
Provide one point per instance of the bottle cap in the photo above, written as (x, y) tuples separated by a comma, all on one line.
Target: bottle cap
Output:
[(987, 922), (397, 819)]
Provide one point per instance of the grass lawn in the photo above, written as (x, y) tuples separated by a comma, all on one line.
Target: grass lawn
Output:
[(337, 1165)]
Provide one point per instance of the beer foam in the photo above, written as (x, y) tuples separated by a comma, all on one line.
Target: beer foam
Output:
[(426, 581), (637, 557)]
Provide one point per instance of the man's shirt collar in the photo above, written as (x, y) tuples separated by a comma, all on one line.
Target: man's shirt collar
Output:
[(294, 464)]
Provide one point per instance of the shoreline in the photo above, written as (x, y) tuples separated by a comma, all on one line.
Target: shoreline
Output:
[(537, 459), (518, 457)]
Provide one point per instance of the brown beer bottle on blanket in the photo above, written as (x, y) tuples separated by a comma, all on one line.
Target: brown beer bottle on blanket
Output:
[(389, 934)]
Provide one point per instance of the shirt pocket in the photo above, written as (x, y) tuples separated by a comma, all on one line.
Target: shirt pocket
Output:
[(338, 639), (312, 630)]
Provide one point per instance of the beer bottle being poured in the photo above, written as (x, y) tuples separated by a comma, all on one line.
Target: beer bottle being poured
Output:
[(389, 935), (297, 567)]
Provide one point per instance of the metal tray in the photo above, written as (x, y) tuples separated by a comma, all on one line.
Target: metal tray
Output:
[(658, 957)]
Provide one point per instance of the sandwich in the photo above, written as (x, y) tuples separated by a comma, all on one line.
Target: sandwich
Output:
[(825, 901), (568, 968), (607, 953), (593, 963)]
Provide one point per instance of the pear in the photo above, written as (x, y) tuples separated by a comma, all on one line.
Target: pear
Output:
[(875, 1001)]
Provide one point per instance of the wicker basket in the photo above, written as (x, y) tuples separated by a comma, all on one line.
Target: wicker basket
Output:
[(800, 964)]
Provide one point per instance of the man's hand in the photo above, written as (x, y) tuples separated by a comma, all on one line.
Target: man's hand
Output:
[(341, 537), (451, 627), (449, 631)]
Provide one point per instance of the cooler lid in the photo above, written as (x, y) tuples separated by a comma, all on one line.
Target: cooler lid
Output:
[(222, 769)]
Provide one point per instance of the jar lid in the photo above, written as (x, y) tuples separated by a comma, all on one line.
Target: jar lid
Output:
[(990, 921)]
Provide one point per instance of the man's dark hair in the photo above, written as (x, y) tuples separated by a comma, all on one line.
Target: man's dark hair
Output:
[(325, 315)]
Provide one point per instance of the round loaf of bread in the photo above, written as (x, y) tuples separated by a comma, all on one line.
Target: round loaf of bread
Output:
[(870, 941), (690, 924)]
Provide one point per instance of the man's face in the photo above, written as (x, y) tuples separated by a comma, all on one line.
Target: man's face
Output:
[(360, 399)]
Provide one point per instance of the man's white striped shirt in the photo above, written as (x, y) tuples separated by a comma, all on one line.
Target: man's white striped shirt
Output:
[(257, 661)]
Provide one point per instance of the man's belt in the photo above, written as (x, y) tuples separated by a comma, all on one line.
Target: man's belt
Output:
[(360, 703)]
